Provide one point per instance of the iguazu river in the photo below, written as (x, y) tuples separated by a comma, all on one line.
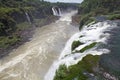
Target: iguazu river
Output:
[(32, 60)]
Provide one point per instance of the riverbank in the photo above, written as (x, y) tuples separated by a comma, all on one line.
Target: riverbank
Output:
[(25, 32), (32, 60)]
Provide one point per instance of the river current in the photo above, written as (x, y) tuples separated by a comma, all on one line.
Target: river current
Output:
[(32, 60)]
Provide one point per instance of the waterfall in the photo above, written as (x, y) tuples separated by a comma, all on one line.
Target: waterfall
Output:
[(93, 32), (56, 11), (59, 11), (28, 17)]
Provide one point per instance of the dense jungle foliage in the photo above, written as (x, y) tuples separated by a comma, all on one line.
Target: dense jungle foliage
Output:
[(13, 12), (91, 8)]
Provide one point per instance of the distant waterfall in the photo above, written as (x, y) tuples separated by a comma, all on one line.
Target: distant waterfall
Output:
[(59, 11), (56, 11), (28, 17)]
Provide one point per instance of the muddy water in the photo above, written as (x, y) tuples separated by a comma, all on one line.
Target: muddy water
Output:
[(32, 60)]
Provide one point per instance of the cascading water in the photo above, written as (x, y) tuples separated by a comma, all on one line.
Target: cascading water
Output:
[(28, 17), (56, 11), (60, 13), (93, 32)]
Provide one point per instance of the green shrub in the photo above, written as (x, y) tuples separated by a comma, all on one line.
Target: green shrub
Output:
[(7, 41), (61, 72), (99, 11), (23, 26), (75, 44), (77, 71), (88, 47), (81, 36), (113, 16), (85, 19), (91, 19), (100, 7)]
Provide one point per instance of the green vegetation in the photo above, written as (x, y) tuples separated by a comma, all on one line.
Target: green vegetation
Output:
[(88, 47), (88, 10), (102, 6), (92, 8), (13, 16), (7, 41), (77, 71), (65, 6), (85, 19), (75, 44), (43, 21), (81, 36), (62, 72), (113, 16), (23, 26)]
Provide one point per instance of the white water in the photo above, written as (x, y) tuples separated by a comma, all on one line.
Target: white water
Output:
[(91, 33), (60, 13), (28, 17), (56, 12), (32, 60)]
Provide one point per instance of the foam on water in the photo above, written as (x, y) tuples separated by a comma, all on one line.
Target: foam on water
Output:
[(93, 32), (67, 17), (14, 61)]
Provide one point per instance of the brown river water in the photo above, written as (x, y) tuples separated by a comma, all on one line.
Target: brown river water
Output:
[(32, 60)]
